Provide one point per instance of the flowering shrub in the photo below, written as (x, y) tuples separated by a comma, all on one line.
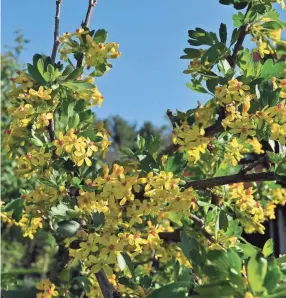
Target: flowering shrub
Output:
[(156, 224)]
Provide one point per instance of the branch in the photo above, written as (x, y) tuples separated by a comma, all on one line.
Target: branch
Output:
[(51, 126), (56, 33), (201, 224), (237, 178), (51, 130), (243, 31), (175, 236), (90, 8), (251, 166), (107, 289), (86, 22)]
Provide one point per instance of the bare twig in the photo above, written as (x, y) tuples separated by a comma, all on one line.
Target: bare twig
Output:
[(56, 32), (86, 22), (91, 5), (107, 289), (231, 179), (201, 224), (51, 126), (175, 236), (251, 166)]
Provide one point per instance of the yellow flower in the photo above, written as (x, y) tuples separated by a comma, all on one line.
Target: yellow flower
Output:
[(256, 146), (234, 152), (43, 120), (41, 93), (243, 126), (48, 288), (24, 79), (278, 132), (60, 144), (30, 225)]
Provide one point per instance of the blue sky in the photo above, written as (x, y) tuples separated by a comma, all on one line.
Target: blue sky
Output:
[(147, 79)]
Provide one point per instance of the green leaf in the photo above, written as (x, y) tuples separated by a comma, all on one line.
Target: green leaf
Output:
[(17, 207), (176, 270), (273, 276), (128, 152), (145, 281), (268, 248), (248, 249), (272, 25), (98, 220), (279, 292), (100, 36), (140, 142), (225, 262), (256, 272), (177, 289), (128, 282), (41, 66), (221, 289), (223, 32), (78, 86), (176, 163), (214, 53), (76, 181), (34, 73), (36, 142), (193, 250), (74, 74), (84, 282), (238, 19), (211, 84), (67, 228), (201, 37), (196, 88), (268, 96), (74, 121), (269, 69), (101, 69), (91, 134), (68, 70), (223, 220), (128, 263), (191, 53)]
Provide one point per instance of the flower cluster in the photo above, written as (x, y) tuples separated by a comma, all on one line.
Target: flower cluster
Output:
[(47, 288), (266, 36), (96, 53), (235, 93), (191, 139), (79, 148)]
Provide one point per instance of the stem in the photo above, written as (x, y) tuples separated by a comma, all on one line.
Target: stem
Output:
[(51, 129), (86, 22), (237, 178), (250, 167), (107, 289), (51, 126), (243, 31), (56, 32), (91, 5)]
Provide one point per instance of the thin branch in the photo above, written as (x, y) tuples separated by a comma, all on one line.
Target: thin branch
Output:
[(51, 130), (251, 166), (201, 224), (51, 126), (90, 8), (107, 289), (238, 46), (231, 179), (86, 22), (175, 235), (56, 32)]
